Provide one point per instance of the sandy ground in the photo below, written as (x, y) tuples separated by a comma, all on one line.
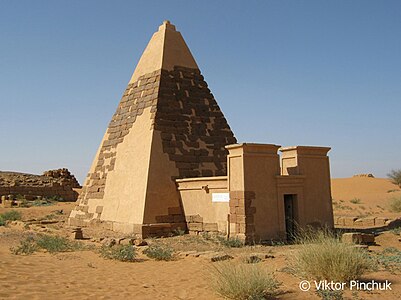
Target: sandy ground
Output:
[(374, 195), (86, 275)]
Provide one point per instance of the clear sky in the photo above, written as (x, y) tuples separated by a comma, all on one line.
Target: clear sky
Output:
[(285, 72)]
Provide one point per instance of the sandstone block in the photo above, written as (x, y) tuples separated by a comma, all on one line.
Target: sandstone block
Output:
[(194, 219), (369, 221), (210, 227), (233, 218), (140, 242), (341, 221), (178, 218), (380, 221), (221, 258), (174, 210), (358, 238), (99, 209), (195, 226), (349, 221), (7, 203)]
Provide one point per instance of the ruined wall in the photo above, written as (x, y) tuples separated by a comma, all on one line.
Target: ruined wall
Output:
[(202, 214), (194, 130), (54, 183)]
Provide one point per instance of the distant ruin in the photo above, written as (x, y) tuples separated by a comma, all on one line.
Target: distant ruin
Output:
[(58, 183), (169, 160)]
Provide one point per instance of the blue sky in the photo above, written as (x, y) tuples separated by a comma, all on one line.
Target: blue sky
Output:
[(285, 72)]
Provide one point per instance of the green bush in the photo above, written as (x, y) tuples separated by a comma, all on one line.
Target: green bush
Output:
[(11, 215), (322, 256), (231, 242), (50, 243), (355, 201), (119, 252), (159, 252), (395, 204), (54, 244), (42, 202), (26, 247), (390, 258), (396, 231), (243, 281), (395, 177)]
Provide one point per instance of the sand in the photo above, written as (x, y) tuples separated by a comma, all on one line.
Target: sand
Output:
[(374, 195), (86, 275)]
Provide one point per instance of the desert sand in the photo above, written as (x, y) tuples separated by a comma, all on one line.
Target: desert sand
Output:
[(86, 275), (373, 194)]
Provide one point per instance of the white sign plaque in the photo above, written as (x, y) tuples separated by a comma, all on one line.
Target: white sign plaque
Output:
[(220, 197)]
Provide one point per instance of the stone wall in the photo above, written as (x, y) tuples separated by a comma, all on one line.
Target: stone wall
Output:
[(202, 214), (54, 183), (194, 130), (354, 221)]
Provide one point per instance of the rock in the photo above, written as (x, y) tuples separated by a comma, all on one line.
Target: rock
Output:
[(253, 259), (109, 242), (269, 256), (17, 224), (126, 241), (140, 242), (44, 222), (358, 238), (370, 175), (393, 223), (221, 258)]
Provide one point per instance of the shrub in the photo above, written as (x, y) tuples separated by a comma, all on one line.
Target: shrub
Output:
[(243, 281), (50, 243), (231, 242), (118, 252), (395, 177), (26, 247), (57, 244), (178, 232), (159, 252), (390, 258), (42, 202), (396, 231), (395, 204), (355, 201), (323, 256), (11, 215)]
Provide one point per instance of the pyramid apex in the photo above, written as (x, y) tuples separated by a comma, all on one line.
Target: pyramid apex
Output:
[(166, 50), (167, 25)]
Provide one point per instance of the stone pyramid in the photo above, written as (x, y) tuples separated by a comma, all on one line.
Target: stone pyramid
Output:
[(166, 126)]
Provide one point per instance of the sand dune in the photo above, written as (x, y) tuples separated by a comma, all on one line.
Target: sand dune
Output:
[(373, 194)]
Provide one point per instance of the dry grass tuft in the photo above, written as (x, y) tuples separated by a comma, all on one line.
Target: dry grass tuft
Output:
[(323, 256), (243, 281), (395, 204)]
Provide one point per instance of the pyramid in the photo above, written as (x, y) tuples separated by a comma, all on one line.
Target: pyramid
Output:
[(167, 126)]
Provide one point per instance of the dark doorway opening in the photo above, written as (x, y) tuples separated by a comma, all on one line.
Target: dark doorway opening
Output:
[(290, 214)]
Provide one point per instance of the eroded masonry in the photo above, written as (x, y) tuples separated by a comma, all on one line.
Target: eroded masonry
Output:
[(169, 160)]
